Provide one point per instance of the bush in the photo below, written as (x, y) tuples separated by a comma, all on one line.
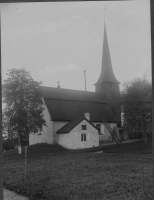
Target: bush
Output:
[(9, 144), (135, 135), (12, 143), (149, 135)]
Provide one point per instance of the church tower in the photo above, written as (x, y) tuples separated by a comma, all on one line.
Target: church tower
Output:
[(107, 83)]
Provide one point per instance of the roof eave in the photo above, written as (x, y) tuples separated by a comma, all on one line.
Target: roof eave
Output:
[(113, 82), (62, 132)]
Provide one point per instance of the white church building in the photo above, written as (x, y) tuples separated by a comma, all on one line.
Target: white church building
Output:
[(73, 117)]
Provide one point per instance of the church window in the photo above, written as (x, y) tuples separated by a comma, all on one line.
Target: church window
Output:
[(83, 137), (99, 128), (84, 127)]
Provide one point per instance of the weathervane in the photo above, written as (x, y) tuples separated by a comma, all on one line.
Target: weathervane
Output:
[(104, 12)]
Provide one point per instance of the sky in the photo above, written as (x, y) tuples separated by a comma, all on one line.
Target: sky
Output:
[(57, 41)]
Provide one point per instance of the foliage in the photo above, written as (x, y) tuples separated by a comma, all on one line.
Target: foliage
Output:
[(9, 144), (136, 100), (5, 126), (55, 173), (23, 103), (115, 107)]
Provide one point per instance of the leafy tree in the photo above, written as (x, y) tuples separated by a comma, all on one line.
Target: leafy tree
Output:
[(23, 103), (116, 109), (137, 100), (6, 133), (9, 137)]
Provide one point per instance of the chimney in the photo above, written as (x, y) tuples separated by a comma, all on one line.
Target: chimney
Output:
[(58, 86), (87, 116)]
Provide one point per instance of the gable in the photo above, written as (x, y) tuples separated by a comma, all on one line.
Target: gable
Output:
[(72, 124)]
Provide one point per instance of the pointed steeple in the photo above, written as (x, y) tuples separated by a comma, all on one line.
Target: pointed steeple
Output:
[(107, 74)]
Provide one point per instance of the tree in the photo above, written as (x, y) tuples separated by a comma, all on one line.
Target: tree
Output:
[(23, 103), (137, 100), (116, 109), (9, 137)]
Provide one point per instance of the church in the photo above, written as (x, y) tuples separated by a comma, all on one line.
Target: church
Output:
[(81, 119)]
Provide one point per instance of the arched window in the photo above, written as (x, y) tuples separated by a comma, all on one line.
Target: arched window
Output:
[(99, 128), (83, 137)]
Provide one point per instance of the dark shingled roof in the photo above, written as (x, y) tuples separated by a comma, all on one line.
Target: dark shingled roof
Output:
[(67, 94), (68, 105), (107, 74), (70, 125)]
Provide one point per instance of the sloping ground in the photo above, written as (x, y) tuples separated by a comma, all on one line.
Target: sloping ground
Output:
[(132, 147), (137, 147), (56, 173)]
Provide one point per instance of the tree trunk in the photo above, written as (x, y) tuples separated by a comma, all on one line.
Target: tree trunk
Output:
[(145, 138), (145, 135), (9, 136), (19, 144)]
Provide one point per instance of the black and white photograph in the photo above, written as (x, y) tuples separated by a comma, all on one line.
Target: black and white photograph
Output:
[(77, 100)]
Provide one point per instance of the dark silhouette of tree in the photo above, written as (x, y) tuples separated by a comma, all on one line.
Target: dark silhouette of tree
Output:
[(137, 103)]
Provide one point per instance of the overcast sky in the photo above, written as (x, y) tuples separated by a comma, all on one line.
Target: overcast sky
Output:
[(56, 41)]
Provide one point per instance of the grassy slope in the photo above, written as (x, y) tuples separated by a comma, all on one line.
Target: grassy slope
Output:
[(131, 148), (55, 173)]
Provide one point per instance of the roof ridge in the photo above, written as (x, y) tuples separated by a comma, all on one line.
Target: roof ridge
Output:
[(77, 100), (66, 89)]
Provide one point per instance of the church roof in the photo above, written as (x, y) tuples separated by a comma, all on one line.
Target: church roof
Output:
[(107, 74), (70, 125), (72, 95), (68, 105)]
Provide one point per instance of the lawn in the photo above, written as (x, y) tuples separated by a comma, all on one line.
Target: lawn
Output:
[(55, 173), (137, 147)]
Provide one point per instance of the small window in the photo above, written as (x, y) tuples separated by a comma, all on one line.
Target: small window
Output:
[(83, 137), (112, 85), (84, 127), (99, 128)]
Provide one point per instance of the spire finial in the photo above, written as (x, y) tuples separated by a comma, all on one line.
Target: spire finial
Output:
[(104, 13)]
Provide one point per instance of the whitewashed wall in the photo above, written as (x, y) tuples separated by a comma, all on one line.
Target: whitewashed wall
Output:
[(47, 132), (105, 133), (56, 126), (69, 140), (72, 140)]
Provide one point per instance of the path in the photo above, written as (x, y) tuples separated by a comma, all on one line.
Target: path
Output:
[(8, 195)]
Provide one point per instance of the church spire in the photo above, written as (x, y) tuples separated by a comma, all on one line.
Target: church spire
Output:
[(107, 74)]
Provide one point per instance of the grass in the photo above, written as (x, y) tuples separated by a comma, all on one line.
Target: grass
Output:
[(55, 173), (137, 147)]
